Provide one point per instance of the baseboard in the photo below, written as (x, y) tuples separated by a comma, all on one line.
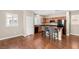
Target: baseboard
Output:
[(27, 35), (75, 34), (10, 37)]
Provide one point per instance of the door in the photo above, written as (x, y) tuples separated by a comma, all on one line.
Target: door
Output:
[(75, 24), (29, 25)]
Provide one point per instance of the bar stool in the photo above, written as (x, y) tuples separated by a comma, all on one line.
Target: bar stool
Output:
[(51, 31), (46, 31), (55, 34)]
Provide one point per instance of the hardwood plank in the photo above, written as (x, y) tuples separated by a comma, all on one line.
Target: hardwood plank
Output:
[(38, 42)]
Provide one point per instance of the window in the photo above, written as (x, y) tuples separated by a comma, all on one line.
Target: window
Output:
[(12, 19)]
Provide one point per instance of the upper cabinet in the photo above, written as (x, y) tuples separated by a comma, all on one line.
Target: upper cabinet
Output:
[(38, 20), (53, 19)]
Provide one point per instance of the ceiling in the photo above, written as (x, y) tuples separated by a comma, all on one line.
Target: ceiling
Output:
[(54, 12), (49, 12)]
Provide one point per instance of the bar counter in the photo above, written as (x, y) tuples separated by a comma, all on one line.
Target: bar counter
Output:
[(59, 29)]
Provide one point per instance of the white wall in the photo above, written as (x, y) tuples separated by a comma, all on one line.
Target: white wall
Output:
[(75, 24), (72, 22), (6, 32), (21, 29), (38, 20)]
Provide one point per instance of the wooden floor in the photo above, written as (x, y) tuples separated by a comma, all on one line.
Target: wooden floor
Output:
[(39, 42)]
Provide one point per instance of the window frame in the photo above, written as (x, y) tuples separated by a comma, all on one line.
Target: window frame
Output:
[(11, 20)]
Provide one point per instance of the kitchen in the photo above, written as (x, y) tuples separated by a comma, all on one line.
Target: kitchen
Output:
[(56, 21)]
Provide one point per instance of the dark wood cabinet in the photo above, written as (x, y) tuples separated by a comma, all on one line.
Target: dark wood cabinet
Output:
[(56, 19), (37, 28)]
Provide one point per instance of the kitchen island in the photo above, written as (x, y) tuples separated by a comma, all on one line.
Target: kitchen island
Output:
[(58, 29)]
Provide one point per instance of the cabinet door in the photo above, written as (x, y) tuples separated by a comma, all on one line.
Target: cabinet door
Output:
[(44, 20)]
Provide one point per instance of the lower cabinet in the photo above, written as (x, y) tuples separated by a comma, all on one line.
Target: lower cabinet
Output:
[(37, 29)]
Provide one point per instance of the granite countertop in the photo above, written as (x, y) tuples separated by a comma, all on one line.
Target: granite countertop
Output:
[(50, 24)]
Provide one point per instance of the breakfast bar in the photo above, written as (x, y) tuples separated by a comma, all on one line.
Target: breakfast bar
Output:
[(54, 29)]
